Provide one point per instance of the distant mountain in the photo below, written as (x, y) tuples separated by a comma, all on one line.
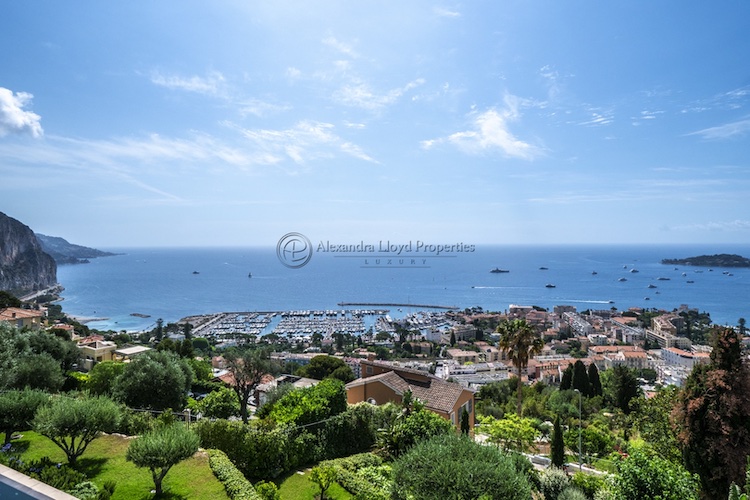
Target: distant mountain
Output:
[(68, 253), (24, 266), (718, 260)]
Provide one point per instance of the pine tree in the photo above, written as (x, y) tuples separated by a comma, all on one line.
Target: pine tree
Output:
[(557, 448)]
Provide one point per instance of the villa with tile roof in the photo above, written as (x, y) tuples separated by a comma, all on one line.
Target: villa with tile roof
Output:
[(382, 383)]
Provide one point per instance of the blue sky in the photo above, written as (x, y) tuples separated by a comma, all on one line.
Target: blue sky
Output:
[(232, 122)]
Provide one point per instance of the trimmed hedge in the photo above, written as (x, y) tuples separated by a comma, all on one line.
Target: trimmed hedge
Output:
[(235, 484), (354, 482), (260, 452)]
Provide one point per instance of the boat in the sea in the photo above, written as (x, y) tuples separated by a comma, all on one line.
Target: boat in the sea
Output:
[(623, 279), (196, 272), (249, 275), (543, 268), (594, 272), (549, 285), (651, 285), (661, 278), (498, 270)]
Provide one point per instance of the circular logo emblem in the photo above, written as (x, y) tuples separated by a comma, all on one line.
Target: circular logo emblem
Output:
[(294, 250)]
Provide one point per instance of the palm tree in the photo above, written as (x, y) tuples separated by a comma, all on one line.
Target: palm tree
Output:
[(520, 342)]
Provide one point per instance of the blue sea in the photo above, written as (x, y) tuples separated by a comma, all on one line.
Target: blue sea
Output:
[(174, 283)]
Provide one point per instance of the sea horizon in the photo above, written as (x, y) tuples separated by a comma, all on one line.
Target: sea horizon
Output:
[(174, 282)]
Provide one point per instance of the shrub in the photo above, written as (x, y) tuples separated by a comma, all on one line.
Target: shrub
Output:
[(572, 493), (268, 490), (235, 484), (552, 482), (451, 466)]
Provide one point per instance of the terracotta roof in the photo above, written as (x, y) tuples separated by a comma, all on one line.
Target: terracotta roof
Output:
[(435, 393), (13, 313)]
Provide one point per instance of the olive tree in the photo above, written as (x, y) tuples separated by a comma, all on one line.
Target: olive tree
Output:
[(17, 409), (73, 423), (162, 448)]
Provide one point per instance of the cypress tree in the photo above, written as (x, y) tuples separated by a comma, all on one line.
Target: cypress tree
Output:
[(567, 379), (557, 448), (594, 380), (581, 378)]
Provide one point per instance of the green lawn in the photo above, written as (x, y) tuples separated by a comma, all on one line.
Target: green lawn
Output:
[(297, 486), (104, 460)]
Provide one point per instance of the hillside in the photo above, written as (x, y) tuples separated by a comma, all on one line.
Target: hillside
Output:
[(68, 253)]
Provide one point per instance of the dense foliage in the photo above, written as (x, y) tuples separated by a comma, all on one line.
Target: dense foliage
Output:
[(451, 466), (713, 415), (154, 380)]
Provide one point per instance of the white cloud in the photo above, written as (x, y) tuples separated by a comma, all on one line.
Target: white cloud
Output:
[(13, 118), (359, 94), (212, 84), (490, 132), (726, 131)]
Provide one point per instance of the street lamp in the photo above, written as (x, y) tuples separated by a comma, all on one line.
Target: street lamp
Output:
[(580, 418)]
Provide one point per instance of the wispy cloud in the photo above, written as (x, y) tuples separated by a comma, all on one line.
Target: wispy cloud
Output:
[(13, 118), (737, 225), (489, 132), (359, 94), (732, 99), (340, 46), (444, 12), (726, 131), (213, 84), (598, 117), (306, 141)]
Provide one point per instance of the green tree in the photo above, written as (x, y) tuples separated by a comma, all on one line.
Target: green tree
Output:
[(594, 380), (520, 342), (465, 422), (511, 433), (17, 409), (652, 418), (219, 404), (159, 450), (449, 466), (8, 300), (154, 380), (247, 369), (409, 428), (310, 404), (73, 423), (646, 475), (713, 415), (557, 447), (624, 388), (324, 476), (103, 376), (325, 366), (566, 382), (38, 371)]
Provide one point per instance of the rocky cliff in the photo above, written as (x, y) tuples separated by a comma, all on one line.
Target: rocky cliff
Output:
[(24, 267)]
